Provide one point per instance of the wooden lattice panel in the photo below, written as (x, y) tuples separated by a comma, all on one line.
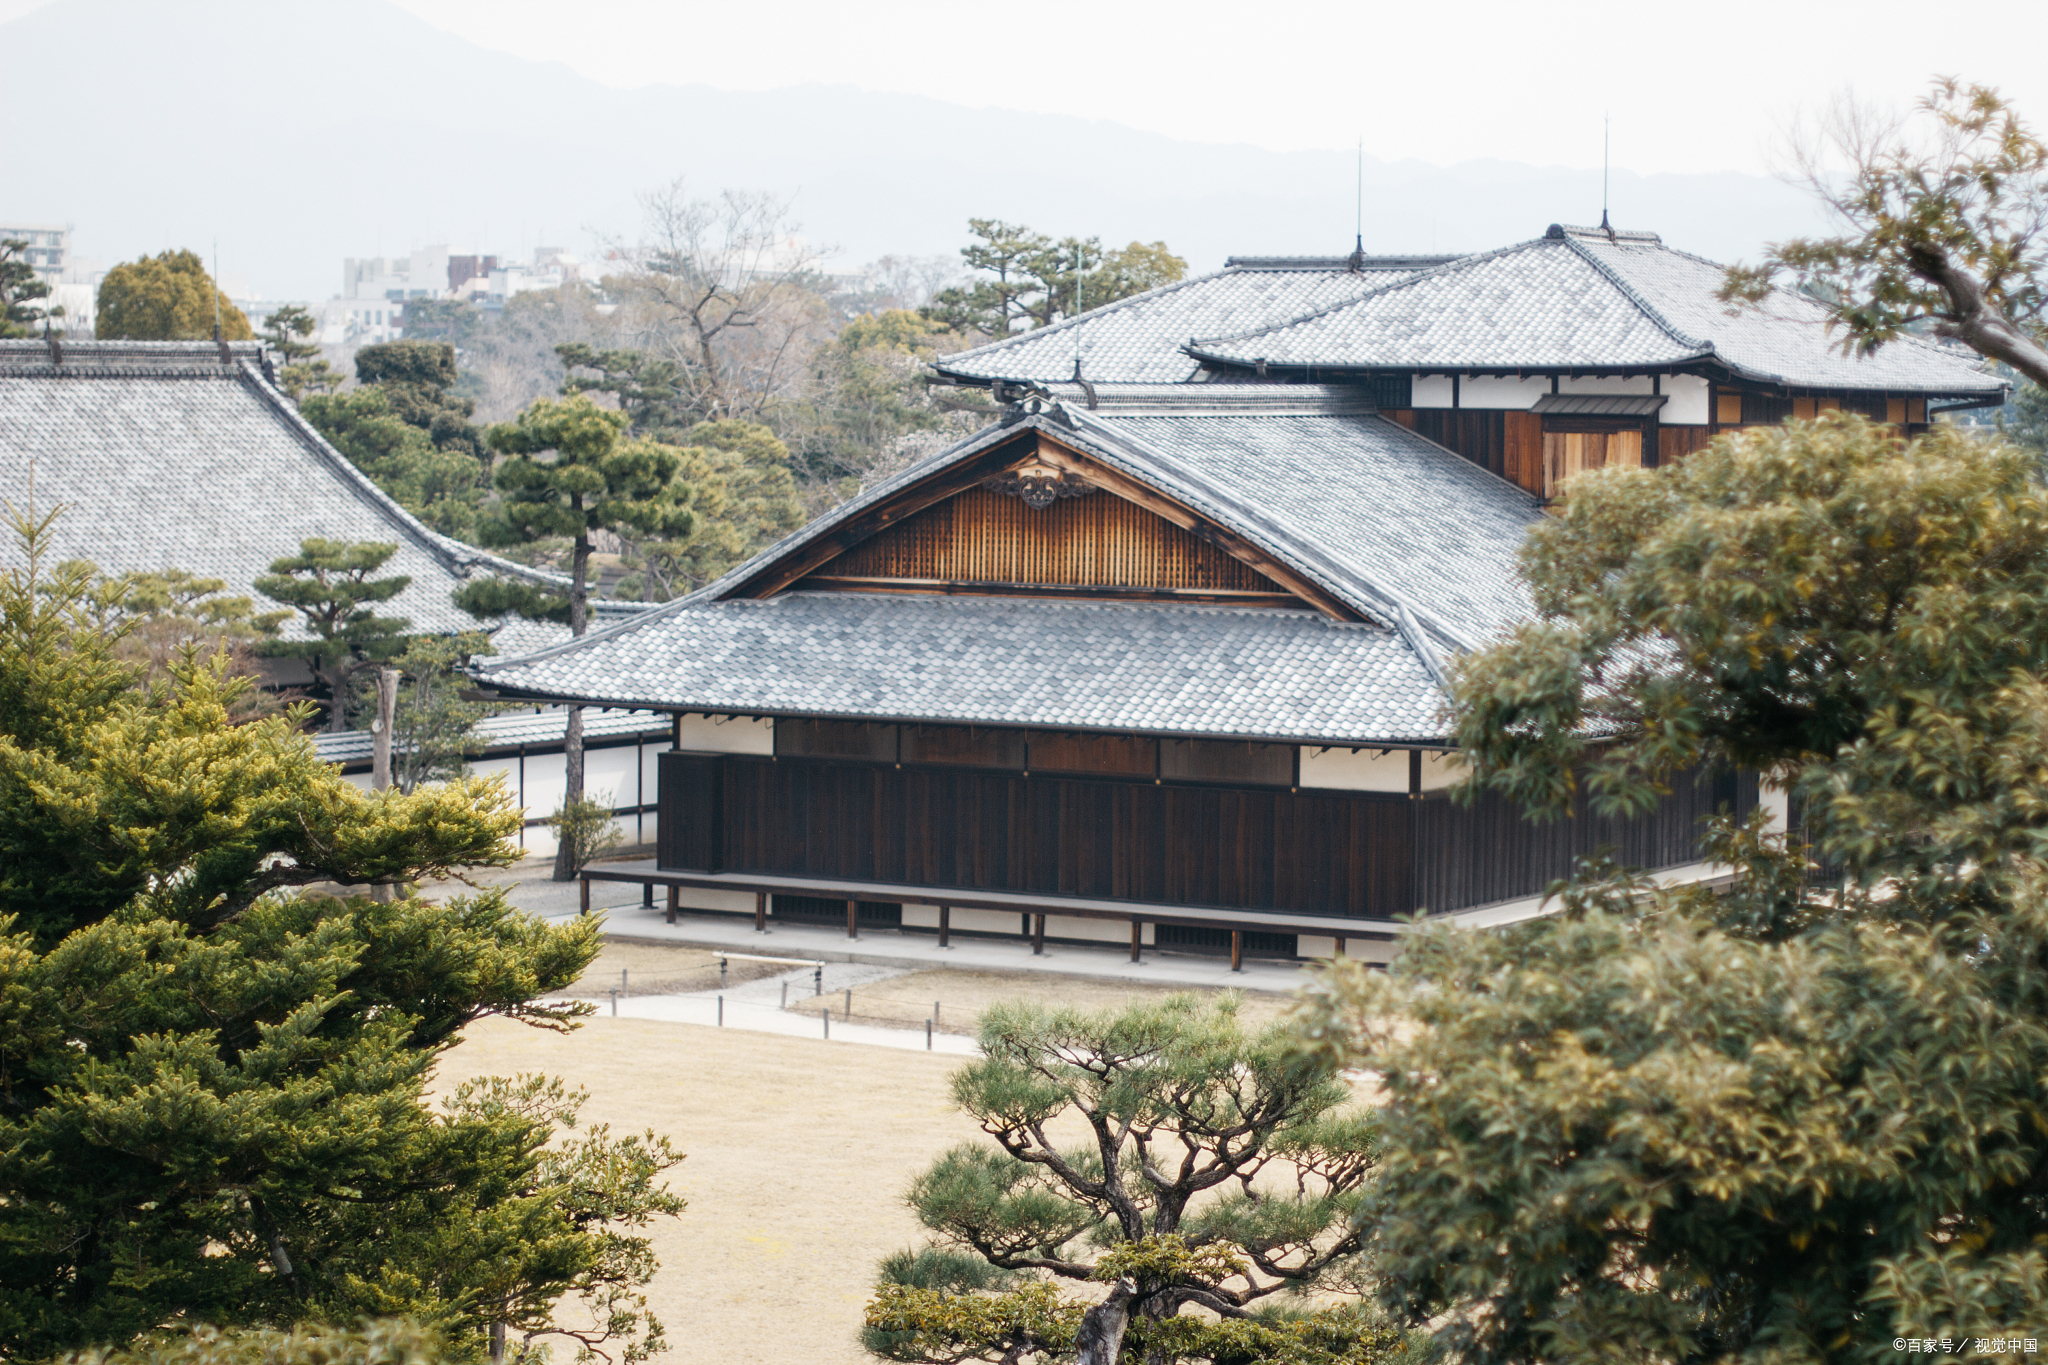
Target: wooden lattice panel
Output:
[(1097, 540)]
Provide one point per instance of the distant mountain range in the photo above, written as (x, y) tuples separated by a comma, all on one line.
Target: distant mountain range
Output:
[(299, 133)]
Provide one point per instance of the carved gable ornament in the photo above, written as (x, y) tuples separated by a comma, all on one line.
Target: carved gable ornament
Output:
[(1039, 484)]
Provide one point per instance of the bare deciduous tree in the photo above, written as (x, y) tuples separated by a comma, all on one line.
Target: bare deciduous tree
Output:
[(1942, 211), (729, 290)]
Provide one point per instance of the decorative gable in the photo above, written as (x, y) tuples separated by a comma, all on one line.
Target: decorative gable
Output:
[(1043, 520)]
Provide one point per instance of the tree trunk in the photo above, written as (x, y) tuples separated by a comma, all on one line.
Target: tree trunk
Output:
[(336, 679), (380, 748), (1979, 325), (572, 736), (1101, 1338)]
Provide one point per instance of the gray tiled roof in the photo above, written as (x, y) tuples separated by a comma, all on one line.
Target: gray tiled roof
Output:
[(502, 733), (1538, 304), (1785, 338), (1419, 541), (1577, 300), (169, 456), (1138, 340), (1219, 671)]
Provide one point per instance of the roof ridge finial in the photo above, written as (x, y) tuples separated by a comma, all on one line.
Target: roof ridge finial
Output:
[(1357, 258), (1606, 146)]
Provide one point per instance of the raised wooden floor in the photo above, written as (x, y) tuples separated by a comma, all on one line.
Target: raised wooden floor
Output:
[(1137, 914)]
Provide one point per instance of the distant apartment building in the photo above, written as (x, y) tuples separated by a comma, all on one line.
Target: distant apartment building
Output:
[(376, 289), (74, 281)]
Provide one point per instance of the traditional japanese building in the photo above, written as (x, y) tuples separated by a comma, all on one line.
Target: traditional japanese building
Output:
[(1161, 652)]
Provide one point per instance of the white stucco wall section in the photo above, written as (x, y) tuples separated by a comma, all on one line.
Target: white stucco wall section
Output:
[(1355, 770), (1430, 391), (1489, 391), (1689, 397), (725, 735), (1371, 770), (1608, 384)]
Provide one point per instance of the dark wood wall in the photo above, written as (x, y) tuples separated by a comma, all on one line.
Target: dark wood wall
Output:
[(1342, 853)]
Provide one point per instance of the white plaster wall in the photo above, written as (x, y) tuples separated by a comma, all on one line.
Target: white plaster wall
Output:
[(1608, 384), (1690, 402), (1778, 802), (1488, 391), (1355, 949), (1431, 391), (709, 898), (725, 735), (1362, 770), (1440, 770)]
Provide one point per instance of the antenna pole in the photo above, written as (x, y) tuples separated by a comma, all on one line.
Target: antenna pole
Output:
[(1606, 144), (216, 290), (1360, 181)]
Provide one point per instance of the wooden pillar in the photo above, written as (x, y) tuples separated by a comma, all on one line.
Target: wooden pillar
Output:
[(945, 926), (647, 894), (1339, 954), (583, 891), (853, 919), (1137, 937), (760, 912), (1037, 935), (674, 895), (1024, 925), (1237, 950)]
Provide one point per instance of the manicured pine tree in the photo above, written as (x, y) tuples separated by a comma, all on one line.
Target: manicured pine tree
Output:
[(329, 583), (571, 473)]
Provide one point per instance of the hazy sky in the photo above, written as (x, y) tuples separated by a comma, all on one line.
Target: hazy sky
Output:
[(1690, 87)]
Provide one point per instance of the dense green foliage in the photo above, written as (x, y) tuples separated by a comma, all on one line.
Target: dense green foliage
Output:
[(1216, 1170), (212, 1069), (374, 1342), (1035, 281), (162, 616), (20, 287), (743, 499), (418, 379), (301, 370), (166, 297), (591, 479), (444, 487), (1794, 1121), (330, 584)]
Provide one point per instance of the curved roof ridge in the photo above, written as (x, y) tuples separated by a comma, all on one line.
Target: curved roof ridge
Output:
[(454, 553), (1434, 272), (1377, 599), (1629, 291), (1077, 319)]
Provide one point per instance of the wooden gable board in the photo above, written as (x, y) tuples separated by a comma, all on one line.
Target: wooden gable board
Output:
[(1126, 539)]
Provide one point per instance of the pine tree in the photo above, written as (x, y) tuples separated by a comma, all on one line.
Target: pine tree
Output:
[(214, 1070), (329, 583), (590, 480)]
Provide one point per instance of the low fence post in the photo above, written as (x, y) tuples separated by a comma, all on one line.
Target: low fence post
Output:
[(826, 1015), (721, 1011), (927, 1035)]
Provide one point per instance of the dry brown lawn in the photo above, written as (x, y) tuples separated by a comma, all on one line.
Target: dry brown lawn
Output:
[(961, 996), (799, 1152)]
